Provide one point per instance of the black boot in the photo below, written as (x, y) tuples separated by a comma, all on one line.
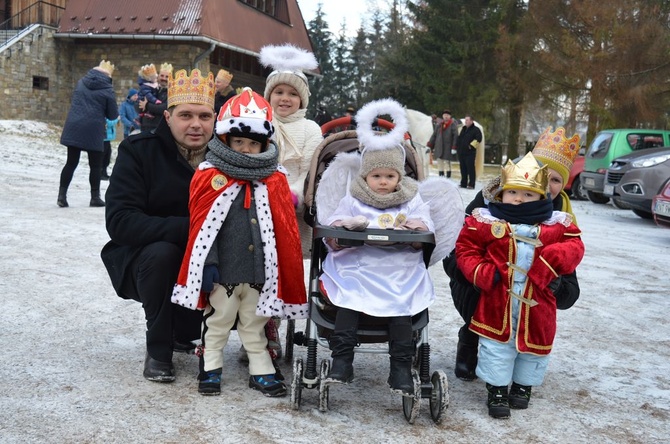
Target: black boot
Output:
[(519, 396), (448, 174), (498, 401), (342, 343), (441, 173), (401, 349), (466, 354), (96, 201), (342, 368), (62, 197)]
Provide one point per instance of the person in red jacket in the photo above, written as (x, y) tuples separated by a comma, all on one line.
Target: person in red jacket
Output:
[(513, 252), (243, 257)]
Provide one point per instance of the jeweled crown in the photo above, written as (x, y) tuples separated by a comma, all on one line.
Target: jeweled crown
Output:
[(166, 67), (556, 147), (194, 89), (526, 174)]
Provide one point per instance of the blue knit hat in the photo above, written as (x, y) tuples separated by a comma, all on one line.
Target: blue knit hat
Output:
[(131, 92)]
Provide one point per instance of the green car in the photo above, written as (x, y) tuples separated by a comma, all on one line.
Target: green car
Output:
[(607, 146)]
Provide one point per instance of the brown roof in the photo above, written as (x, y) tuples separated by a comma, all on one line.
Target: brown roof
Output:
[(230, 22)]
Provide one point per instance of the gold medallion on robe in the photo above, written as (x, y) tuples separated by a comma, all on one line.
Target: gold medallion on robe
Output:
[(498, 229), (385, 220), (219, 181), (399, 220)]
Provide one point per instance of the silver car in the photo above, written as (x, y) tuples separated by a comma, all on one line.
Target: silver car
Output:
[(636, 178)]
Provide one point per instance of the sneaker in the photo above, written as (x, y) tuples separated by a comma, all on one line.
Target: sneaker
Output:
[(267, 385), (519, 396), (210, 383), (498, 401)]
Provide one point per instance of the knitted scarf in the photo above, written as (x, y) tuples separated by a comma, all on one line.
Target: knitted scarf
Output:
[(284, 140), (405, 191), (242, 166), (530, 213)]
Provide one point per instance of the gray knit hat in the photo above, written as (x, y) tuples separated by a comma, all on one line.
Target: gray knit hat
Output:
[(393, 158)]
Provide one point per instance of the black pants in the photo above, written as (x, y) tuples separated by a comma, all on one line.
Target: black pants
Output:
[(152, 278), (94, 164), (106, 156), (467, 164)]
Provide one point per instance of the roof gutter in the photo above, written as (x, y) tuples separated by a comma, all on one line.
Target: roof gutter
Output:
[(160, 37)]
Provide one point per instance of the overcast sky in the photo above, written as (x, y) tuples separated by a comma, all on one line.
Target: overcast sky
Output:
[(336, 11)]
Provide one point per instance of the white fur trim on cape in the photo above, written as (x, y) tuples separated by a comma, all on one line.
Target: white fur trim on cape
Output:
[(287, 58), (366, 116), (268, 302), (334, 183), (446, 212), (244, 125)]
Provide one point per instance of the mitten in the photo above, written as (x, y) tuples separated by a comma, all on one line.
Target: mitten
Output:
[(453, 152), (295, 199), (356, 223), (210, 276), (474, 144), (555, 285)]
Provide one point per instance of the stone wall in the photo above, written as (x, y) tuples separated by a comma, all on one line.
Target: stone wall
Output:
[(64, 61)]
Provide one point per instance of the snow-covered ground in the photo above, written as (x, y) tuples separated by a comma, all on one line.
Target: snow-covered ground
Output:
[(73, 351)]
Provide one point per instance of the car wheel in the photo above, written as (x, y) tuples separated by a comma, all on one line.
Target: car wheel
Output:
[(620, 204), (578, 191), (643, 214), (597, 198)]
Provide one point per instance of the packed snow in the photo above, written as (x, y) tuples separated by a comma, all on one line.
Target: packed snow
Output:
[(74, 351)]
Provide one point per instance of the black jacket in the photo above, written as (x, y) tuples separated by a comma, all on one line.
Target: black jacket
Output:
[(466, 296), (467, 135), (147, 199), (156, 111)]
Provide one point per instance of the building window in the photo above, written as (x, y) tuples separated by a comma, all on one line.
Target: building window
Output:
[(275, 8), (41, 83)]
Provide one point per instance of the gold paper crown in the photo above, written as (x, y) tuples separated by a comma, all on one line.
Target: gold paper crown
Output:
[(166, 67), (195, 89), (107, 66), (224, 75), (526, 174), (148, 72), (556, 151)]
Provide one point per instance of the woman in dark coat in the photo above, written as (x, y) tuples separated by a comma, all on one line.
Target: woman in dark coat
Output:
[(93, 100)]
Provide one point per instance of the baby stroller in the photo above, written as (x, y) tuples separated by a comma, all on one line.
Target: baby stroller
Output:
[(309, 374)]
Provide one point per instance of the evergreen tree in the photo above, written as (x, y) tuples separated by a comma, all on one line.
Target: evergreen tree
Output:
[(322, 44)]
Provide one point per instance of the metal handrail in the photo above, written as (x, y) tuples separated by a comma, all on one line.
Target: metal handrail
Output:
[(33, 14)]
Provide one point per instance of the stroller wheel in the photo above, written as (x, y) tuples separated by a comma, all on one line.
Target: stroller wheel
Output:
[(439, 396), (296, 384), (412, 404), (290, 331), (323, 387)]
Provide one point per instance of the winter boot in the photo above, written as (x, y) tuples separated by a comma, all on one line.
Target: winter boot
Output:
[(342, 344), (441, 173), (449, 174), (401, 349), (96, 201), (498, 401), (466, 355), (400, 377), (519, 396), (210, 383), (62, 197), (267, 385)]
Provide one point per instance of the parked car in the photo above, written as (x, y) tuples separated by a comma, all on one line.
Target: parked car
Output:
[(636, 178), (574, 187), (609, 145), (660, 206)]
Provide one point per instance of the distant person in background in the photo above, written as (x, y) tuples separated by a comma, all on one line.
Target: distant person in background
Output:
[(224, 91), (93, 101), (128, 113), (148, 86), (443, 143), (156, 110), (110, 126), (467, 143)]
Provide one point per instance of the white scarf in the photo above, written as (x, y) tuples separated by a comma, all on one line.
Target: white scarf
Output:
[(284, 141)]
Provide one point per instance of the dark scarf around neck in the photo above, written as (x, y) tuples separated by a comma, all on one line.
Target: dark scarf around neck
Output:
[(530, 213), (405, 191), (242, 166)]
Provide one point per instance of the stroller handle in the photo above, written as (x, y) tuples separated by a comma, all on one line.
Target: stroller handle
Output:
[(348, 120)]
